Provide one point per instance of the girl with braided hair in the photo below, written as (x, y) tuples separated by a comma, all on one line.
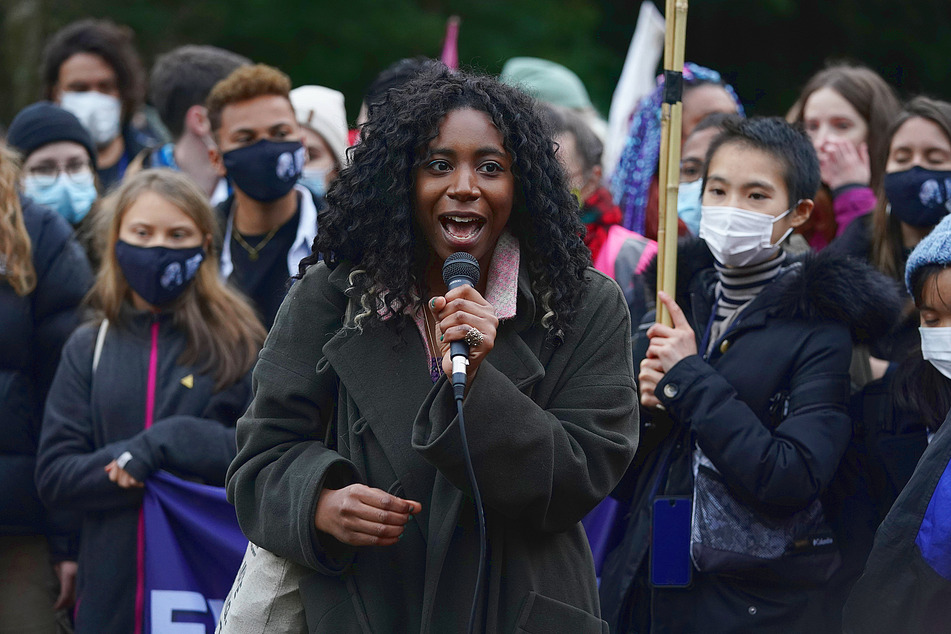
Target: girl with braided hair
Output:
[(350, 458), (634, 182)]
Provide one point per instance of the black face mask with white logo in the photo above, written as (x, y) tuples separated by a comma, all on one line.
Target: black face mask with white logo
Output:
[(158, 274), (919, 197), (266, 170)]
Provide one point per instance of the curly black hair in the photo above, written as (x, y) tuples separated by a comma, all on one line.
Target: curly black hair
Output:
[(370, 222)]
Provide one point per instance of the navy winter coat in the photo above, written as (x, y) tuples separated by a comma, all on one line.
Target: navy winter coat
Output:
[(906, 586), (769, 409), (92, 418), (33, 330)]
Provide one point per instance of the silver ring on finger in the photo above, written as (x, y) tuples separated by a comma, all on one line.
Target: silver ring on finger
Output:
[(474, 337)]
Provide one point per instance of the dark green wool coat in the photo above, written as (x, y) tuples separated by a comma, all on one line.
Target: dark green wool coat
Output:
[(551, 430)]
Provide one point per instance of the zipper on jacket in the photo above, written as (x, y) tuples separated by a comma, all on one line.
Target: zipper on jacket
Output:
[(140, 537), (153, 375)]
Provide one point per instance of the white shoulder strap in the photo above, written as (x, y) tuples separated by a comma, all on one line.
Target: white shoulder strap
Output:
[(100, 339)]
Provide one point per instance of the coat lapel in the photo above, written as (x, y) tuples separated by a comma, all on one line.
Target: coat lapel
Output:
[(383, 370), (517, 353), (384, 373)]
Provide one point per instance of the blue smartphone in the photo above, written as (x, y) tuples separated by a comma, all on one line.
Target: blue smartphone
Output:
[(670, 565)]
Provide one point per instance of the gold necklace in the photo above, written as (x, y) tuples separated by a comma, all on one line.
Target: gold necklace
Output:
[(253, 252)]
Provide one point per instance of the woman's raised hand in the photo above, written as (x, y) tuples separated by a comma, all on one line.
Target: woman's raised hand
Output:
[(460, 310), (359, 515), (841, 162)]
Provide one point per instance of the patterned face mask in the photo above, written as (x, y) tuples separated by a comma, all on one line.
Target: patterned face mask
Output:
[(158, 274)]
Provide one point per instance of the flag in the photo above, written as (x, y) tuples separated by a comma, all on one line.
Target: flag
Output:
[(193, 548)]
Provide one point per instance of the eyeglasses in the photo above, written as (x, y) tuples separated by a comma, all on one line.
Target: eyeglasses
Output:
[(46, 174)]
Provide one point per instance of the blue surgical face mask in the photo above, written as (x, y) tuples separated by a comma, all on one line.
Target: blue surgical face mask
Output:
[(69, 196), (688, 204), (315, 181)]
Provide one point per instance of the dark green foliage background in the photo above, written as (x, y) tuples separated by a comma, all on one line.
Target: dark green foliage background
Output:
[(766, 48)]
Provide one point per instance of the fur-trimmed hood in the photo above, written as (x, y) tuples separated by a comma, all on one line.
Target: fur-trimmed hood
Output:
[(812, 286)]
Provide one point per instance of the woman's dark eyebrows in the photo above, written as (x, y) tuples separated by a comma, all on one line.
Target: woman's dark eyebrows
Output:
[(759, 184)]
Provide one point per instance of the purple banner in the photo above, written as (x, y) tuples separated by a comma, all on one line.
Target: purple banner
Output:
[(193, 548), (601, 527)]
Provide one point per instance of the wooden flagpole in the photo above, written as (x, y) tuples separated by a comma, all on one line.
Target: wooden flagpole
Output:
[(669, 166)]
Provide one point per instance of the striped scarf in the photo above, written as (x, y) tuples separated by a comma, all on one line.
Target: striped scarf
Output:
[(736, 288)]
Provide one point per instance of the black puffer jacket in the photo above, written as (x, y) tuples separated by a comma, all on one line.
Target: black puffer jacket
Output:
[(769, 410), (33, 330)]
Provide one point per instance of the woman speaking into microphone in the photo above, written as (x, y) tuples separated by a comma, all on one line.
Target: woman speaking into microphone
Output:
[(350, 459)]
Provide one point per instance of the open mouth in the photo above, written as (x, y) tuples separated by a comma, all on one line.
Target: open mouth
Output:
[(462, 228)]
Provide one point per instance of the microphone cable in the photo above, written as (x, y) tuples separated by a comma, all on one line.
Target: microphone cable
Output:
[(458, 392), (458, 269)]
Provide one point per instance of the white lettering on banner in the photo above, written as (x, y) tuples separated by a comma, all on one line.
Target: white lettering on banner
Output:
[(166, 603), (215, 606)]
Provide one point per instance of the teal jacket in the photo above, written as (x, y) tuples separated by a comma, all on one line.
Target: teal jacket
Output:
[(551, 430)]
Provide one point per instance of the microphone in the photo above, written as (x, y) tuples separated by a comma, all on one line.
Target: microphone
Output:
[(458, 269)]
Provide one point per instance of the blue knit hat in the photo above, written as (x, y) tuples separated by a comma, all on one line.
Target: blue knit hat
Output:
[(934, 249), (43, 123)]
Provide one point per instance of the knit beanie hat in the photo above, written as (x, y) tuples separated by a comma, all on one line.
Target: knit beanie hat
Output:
[(43, 123), (934, 249), (322, 110), (546, 81)]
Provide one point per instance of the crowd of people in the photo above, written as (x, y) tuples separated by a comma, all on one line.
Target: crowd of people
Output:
[(205, 271)]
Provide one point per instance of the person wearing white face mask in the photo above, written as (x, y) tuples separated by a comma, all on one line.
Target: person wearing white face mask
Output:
[(906, 584), (692, 162), (91, 69), (59, 166), (753, 377)]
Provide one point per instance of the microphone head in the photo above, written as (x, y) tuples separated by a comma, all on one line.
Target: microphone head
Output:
[(461, 264)]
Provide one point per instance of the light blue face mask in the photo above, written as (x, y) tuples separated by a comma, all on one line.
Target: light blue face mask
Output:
[(69, 196), (315, 181), (688, 204)]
